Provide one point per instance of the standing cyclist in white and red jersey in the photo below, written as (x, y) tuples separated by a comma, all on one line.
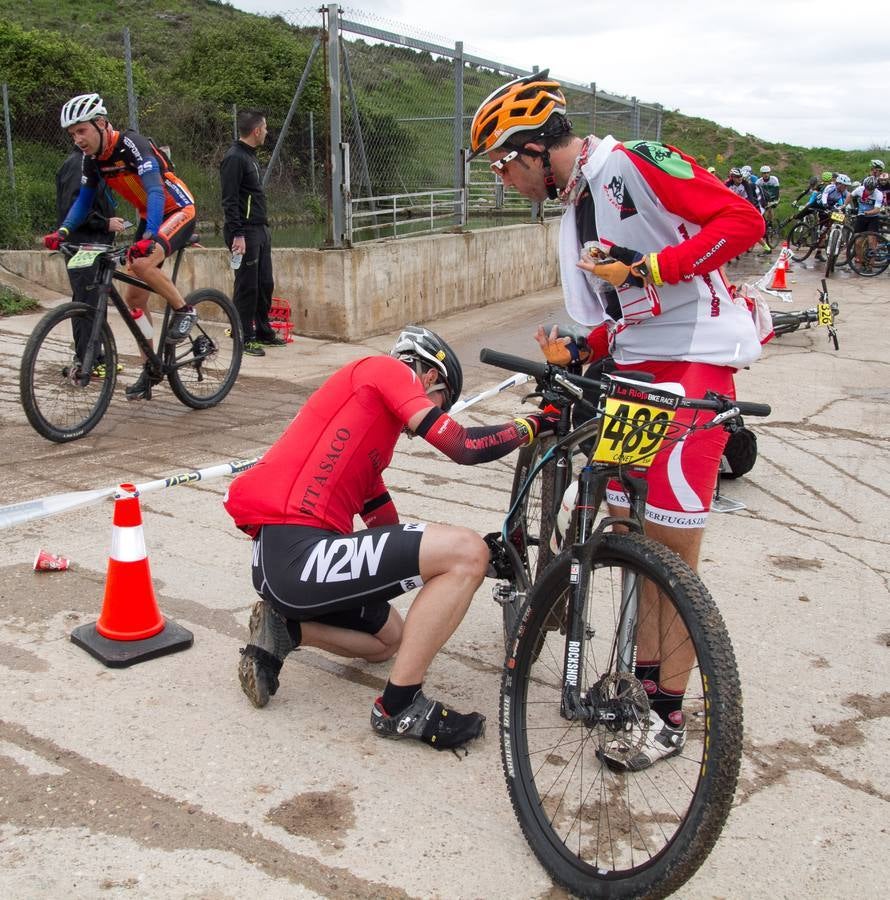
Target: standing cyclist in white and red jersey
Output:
[(324, 585), (668, 225)]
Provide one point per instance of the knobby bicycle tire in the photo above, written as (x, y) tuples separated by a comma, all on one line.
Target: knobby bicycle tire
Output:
[(832, 249), (845, 246), (601, 832), (58, 405), (868, 261), (211, 353), (537, 512), (785, 323)]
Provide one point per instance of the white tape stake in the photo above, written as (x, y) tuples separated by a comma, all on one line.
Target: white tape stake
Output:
[(513, 381), (17, 513)]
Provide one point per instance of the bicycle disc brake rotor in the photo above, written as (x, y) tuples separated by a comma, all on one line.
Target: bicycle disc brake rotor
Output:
[(621, 705)]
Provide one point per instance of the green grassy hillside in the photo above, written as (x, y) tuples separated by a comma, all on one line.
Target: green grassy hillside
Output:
[(196, 59)]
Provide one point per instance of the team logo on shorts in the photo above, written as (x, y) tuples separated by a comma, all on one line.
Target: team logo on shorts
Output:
[(414, 526), (344, 559)]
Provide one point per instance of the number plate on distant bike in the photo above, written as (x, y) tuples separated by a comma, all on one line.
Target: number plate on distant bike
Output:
[(837, 217), (83, 259), (635, 421), (823, 311)]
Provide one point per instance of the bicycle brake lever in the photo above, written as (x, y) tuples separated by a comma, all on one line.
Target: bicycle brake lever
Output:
[(567, 385)]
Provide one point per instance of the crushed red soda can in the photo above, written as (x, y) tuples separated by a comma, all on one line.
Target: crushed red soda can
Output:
[(49, 562)]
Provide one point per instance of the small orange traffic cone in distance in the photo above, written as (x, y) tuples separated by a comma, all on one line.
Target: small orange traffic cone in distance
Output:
[(129, 610), (786, 254), (130, 628), (779, 283)]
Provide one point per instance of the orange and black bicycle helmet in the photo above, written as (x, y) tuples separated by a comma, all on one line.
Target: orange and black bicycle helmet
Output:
[(525, 104)]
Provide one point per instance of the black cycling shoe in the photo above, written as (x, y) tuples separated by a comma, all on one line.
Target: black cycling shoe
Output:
[(140, 389), (428, 721), (181, 323)]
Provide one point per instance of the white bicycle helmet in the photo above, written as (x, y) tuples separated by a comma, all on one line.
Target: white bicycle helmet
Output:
[(765, 170), (843, 179), (83, 108), (877, 164), (420, 345)]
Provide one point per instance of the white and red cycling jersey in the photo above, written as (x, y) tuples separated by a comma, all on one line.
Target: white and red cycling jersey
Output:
[(651, 198)]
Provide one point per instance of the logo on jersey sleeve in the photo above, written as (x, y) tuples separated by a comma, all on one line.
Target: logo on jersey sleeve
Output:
[(148, 165), (666, 158)]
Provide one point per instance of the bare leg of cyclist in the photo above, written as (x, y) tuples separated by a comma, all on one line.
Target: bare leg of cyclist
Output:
[(148, 270), (355, 644), (137, 298), (663, 636), (453, 562)]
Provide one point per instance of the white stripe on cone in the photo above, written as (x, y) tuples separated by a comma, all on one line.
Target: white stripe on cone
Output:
[(127, 543)]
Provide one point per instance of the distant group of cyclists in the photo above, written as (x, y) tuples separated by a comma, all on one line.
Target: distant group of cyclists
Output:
[(867, 198)]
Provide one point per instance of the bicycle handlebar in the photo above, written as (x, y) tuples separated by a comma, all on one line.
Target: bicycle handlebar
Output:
[(544, 371)]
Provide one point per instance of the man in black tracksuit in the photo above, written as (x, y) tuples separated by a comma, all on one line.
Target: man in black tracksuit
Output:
[(95, 229), (246, 231)]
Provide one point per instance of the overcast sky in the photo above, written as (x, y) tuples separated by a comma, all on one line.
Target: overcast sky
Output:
[(784, 70)]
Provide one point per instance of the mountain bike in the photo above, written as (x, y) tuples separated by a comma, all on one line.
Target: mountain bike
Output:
[(70, 364), (570, 699), (824, 313)]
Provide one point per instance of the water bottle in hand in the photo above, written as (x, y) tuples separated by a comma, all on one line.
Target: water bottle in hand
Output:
[(236, 259)]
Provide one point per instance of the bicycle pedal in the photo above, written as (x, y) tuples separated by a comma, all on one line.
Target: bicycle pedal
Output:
[(503, 593)]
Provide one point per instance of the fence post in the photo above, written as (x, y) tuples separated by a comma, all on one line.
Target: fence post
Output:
[(312, 152), (235, 121), (458, 130), (635, 117), (335, 193), (10, 164), (593, 107), (131, 93), (276, 152), (658, 110)]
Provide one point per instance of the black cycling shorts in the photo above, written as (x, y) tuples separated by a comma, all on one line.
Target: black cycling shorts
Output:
[(176, 229), (866, 223), (344, 580)]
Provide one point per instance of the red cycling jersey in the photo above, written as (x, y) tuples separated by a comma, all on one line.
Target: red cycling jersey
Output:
[(328, 463)]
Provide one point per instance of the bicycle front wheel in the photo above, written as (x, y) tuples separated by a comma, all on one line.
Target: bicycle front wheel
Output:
[(61, 400), (598, 830), (206, 364), (801, 240)]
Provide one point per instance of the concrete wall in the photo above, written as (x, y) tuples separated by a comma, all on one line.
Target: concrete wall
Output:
[(374, 287)]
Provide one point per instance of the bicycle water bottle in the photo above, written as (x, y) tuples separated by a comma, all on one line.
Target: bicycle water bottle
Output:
[(236, 260), (142, 323)]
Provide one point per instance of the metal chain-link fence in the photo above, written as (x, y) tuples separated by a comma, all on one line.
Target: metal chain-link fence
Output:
[(367, 121)]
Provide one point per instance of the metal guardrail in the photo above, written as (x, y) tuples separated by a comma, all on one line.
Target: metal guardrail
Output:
[(402, 215)]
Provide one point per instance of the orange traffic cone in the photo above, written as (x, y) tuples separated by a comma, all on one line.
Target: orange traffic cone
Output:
[(131, 628), (786, 253), (779, 283)]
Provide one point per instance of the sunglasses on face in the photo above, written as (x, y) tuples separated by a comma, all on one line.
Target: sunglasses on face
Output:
[(499, 165)]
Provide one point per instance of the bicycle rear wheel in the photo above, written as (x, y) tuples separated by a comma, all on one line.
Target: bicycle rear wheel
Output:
[(61, 401), (598, 831), (537, 505), (208, 361), (802, 240), (868, 260)]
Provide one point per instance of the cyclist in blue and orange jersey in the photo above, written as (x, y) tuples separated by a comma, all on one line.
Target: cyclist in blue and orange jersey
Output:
[(324, 584), (130, 166), (664, 306)]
